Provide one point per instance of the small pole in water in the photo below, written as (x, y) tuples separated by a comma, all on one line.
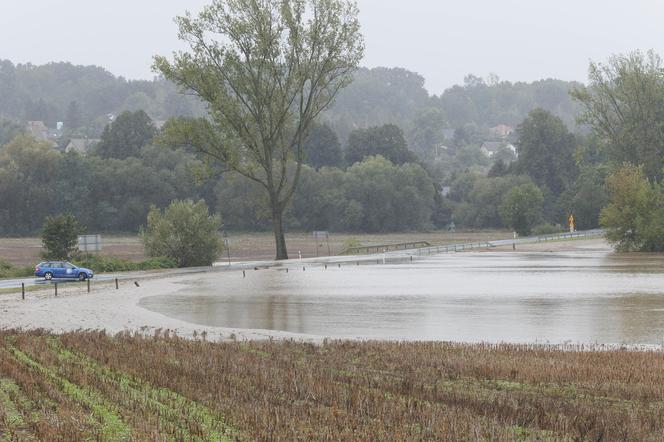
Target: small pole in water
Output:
[(339, 265), (325, 266), (303, 268), (411, 257), (244, 274), (286, 269)]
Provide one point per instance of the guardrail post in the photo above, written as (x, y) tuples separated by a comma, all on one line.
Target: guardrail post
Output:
[(22, 290)]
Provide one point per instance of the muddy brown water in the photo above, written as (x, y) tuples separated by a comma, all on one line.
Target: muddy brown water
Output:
[(576, 297)]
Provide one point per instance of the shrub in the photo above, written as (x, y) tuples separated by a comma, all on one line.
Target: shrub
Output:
[(522, 208), (7, 270), (112, 264), (60, 236), (184, 232), (634, 219), (547, 229)]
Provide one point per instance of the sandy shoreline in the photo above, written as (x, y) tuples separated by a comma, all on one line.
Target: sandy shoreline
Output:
[(106, 308), (119, 310)]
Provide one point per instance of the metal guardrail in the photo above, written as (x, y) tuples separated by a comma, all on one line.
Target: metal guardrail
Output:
[(508, 242), (366, 250)]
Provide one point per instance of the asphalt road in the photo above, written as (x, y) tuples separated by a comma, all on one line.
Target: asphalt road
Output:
[(122, 276)]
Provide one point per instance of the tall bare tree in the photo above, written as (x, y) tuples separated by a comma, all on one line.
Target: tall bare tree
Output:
[(266, 69)]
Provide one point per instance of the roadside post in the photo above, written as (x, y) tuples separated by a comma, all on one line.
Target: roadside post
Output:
[(88, 285), (116, 284), (227, 244), (56, 289), (22, 290)]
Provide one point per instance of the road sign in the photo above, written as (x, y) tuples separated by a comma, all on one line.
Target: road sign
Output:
[(89, 243)]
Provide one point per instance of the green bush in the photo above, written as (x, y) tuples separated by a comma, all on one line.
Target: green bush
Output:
[(185, 232), (7, 270), (60, 236), (110, 264), (547, 229)]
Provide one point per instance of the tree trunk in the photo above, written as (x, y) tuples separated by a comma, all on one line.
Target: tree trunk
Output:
[(279, 238)]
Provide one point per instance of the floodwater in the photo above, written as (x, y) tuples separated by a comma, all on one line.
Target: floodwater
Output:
[(576, 297)]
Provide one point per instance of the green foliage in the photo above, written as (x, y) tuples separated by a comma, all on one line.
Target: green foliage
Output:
[(634, 218), (546, 151), (100, 263), (546, 229), (392, 197), (8, 131), (489, 103), (427, 132), (126, 135), (28, 171), (521, 208), (266, 70), (7, 270), (104, 194), (375, 97), (373, 196), (624, 104), (60, 236), (184, 232), (586, 197), (387, 141), (323, 148)]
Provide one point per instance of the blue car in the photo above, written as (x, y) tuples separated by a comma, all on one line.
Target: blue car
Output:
[(62, 269)]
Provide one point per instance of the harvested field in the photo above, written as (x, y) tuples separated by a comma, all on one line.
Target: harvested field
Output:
[(82, 386), (251, 246)]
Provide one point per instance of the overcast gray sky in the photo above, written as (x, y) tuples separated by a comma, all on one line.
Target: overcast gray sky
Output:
[(442, 40)]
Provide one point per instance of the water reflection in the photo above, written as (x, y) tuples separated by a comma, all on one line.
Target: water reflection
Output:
[(543, 297)]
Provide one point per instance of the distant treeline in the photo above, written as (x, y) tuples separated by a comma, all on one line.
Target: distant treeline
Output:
[(386, 157), (82, 97)]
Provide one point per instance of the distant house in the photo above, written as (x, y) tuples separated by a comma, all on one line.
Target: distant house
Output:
[(489, 148), (80, 145), (440, 148), (37, 129), (501, 131), (159, 123)]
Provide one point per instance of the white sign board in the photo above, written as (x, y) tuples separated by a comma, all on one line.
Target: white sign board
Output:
[(89, 243)]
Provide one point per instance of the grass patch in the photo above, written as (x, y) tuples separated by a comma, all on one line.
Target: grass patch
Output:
[(7, 270), (103, 264)]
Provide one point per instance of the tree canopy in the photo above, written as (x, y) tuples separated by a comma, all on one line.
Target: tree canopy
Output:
[(125, 136), (624, 104), (387, 140), (546, 151)]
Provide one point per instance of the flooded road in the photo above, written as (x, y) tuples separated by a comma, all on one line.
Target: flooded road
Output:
[(578, 297)]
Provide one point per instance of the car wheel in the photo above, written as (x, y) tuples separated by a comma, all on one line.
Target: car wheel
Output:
[(48, 276), (82, 276)]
